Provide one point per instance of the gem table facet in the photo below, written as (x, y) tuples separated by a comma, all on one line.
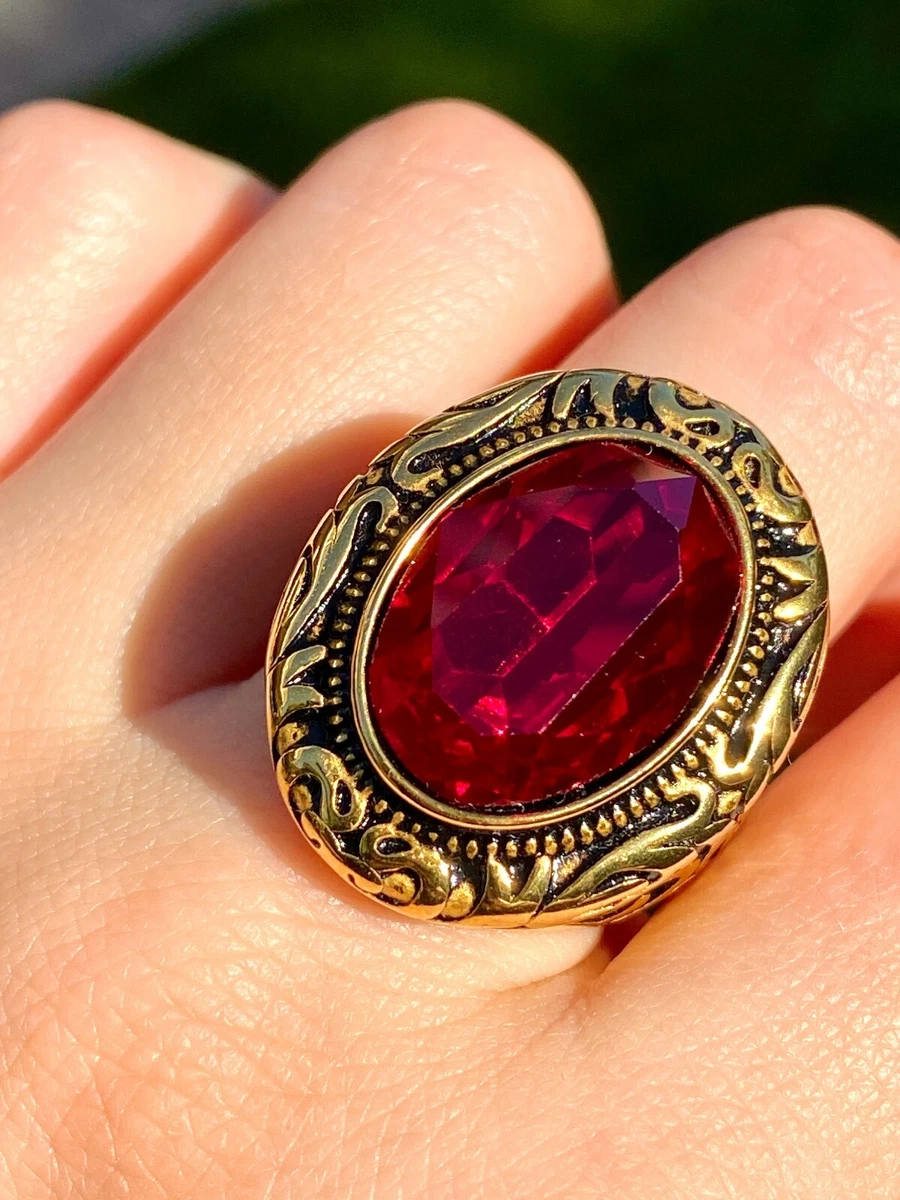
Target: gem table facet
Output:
[(553, 626)]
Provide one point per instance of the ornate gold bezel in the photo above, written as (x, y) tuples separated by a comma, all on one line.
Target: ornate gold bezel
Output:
[(629, 842)]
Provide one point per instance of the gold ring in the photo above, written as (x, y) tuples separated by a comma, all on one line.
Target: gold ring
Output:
[(536, 664)]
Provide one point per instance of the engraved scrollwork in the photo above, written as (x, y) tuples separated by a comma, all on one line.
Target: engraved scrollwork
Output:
[(458, 426), (599, 386), (395, 855), (776, 719), (314, 580), (343, 805), (772, 485), (685, 412), (319, 570), (649, 854), (292, 693), (807, 570), (668, 855)]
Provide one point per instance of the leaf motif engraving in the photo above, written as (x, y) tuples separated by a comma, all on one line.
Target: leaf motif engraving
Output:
[(460, 425), (600, 386), (775, 721), (654, 850), (503, 903), (430, 868), (343, 805), (291, 694), (330, 551), (808, 570)]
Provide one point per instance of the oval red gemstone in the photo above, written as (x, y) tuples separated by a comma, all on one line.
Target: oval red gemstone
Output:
[(554, 626)]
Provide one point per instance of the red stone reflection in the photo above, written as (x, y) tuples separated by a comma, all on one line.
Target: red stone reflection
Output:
[(554, 625)]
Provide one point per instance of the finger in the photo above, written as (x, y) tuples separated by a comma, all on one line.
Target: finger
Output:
[(743, 1045), (768, 996), (794, 320), (104, 225), (429, 255)]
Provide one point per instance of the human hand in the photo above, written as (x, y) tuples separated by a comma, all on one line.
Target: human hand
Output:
[(190, 1005)]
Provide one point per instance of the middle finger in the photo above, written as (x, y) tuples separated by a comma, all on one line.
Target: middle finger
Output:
[(428, 256)]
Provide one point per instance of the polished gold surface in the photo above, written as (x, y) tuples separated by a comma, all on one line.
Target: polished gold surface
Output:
[(625, 845)]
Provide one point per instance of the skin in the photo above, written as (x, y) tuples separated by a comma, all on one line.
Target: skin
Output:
[(190, 1005)]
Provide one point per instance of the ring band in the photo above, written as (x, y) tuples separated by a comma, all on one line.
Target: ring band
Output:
[(537, 663)]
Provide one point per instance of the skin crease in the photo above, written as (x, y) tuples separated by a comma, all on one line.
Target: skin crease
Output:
[(190, 1005)]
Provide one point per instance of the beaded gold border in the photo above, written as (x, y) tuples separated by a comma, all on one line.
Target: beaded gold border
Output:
[(629, 843)]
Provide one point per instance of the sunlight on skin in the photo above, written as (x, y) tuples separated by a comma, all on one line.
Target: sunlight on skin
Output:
[(105, 225), (191, 1003)]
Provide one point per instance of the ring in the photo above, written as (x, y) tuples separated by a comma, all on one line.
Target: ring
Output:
[(540, 659)]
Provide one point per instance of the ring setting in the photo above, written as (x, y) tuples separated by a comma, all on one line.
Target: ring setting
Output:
[(538, 662)]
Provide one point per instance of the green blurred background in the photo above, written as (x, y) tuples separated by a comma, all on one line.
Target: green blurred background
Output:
[(682, 116)]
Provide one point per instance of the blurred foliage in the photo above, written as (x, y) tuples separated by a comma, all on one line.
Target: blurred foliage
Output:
[(682, 116)]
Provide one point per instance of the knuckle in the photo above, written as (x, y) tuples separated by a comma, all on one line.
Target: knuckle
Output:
[(25, 121), (848, 302), (824, 283), (56, 147), (484, 169), (820, 225), (53, 124)]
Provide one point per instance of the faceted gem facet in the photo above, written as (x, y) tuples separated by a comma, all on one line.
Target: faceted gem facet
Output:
[(554, 626)]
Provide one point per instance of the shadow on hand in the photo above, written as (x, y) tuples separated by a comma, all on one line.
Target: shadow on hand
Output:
[(205, 623), (205, 620), (863, 660)]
